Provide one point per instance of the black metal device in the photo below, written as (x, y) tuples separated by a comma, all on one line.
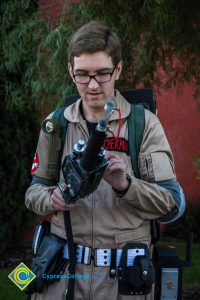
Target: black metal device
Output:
[(169, 270)]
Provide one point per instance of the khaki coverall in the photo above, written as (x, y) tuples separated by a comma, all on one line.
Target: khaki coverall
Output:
[(103, 220)]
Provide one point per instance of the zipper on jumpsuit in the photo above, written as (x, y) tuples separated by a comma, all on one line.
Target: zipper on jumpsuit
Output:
[(84, 130)]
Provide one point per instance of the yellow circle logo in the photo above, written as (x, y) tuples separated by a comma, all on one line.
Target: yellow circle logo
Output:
[(22, 276)]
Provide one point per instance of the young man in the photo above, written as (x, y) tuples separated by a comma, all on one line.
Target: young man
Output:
[(120, 209)]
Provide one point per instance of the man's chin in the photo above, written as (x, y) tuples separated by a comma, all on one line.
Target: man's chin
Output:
[(96, 100)]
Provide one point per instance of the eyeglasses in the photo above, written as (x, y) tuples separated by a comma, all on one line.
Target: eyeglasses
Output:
[(100, 78)]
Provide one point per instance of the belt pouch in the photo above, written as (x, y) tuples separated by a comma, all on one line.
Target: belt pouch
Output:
[(48, 259), (136, 279)]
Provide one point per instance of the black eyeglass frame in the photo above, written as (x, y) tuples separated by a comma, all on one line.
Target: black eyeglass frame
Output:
[(94, 76)]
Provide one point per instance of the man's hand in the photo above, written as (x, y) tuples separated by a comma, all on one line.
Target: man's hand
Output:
[(115, 173), (57, 201)]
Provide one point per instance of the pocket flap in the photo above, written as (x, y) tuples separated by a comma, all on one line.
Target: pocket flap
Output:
[(141, 234)]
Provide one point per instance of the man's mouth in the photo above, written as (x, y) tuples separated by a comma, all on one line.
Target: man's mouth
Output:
[(94, 93)]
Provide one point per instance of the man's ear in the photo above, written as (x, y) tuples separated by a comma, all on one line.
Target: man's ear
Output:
[(70, 69), (118, 69)]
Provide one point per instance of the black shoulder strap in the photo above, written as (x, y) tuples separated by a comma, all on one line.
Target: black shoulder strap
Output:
[(58, 114), (136, 124)]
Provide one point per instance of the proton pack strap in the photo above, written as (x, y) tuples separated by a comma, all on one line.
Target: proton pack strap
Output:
[(59, 116), (72, 255), (136, 124)]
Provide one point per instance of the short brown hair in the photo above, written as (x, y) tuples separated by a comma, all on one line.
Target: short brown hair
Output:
[(93, 37)]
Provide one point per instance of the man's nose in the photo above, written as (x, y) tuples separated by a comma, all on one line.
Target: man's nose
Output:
[(93, 84)]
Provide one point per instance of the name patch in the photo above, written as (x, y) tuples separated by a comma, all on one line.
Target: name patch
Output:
[(116, 144)]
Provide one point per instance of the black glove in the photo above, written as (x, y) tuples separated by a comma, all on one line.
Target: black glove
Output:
[(81, 183)]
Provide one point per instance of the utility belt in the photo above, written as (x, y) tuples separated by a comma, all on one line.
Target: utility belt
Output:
[(131, 264), (102, 257)]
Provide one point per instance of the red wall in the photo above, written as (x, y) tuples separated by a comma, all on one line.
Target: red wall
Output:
[(181, 121)]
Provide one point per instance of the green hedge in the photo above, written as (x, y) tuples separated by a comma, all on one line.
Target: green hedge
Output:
[(18, 141), (18, 117)]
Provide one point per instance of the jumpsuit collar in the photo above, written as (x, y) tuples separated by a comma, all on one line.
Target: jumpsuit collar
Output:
[(72, 113)]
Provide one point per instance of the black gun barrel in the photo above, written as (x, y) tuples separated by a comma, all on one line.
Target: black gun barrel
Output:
[(90, 157)]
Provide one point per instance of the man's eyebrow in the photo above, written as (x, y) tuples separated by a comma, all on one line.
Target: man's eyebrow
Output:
[(80, 70)]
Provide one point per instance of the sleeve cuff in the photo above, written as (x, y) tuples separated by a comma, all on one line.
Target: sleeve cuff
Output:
[(121, 193)]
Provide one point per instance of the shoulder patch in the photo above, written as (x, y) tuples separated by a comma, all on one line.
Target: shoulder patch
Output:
[(35, 163)]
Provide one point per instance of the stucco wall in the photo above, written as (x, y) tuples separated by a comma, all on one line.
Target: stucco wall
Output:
[(181, 121)]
